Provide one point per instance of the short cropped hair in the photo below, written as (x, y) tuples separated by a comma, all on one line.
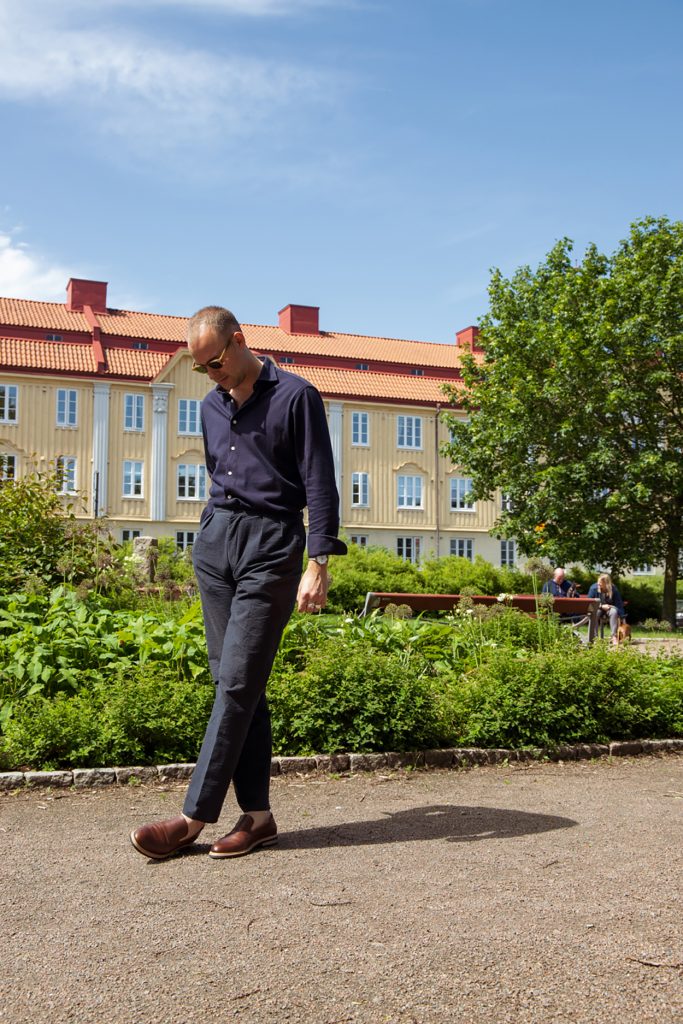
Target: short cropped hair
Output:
[(215, 317)]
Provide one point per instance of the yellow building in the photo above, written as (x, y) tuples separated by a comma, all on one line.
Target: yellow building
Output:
[(109, 397)]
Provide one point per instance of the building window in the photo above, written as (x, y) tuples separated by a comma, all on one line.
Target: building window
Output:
[(463, 547), (185, 539), (129, 535), (132, 479), (360, 429), (362, 366), (645, 570), (8, 467), (53, 337), (133, 412), (189, 416), (8, 403), (66, 407), (286, 361), (408, 548), (410, 492), (191, 482), (359, 539), (142, 345), (65, 467), (507, 553), (359, 489), (461, 495), (417, 371), (409, 432)]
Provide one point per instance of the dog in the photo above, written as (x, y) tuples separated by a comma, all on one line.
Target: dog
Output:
[(623, 633)]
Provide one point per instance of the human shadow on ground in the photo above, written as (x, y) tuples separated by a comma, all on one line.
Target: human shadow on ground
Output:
[(452, 823), (448, 822)]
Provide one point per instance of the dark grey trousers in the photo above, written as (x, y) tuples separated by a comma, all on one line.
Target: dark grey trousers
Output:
[(248, 568)]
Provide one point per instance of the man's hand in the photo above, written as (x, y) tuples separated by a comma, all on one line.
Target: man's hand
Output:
[(312, 594)]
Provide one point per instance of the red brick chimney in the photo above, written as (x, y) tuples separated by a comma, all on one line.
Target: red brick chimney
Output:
[(467, 338), (86, 293), (299, 319)]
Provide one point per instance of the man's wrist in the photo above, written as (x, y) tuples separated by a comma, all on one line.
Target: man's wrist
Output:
[(320, 560)]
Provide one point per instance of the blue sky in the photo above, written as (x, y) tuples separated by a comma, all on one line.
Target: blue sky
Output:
[(373, 158)]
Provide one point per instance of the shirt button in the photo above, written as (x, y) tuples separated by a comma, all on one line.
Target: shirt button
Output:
[(229, 472), (228, 496), (232, 447), (234, 422)]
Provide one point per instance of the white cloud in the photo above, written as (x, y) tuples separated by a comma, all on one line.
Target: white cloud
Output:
[(24, 275), (132, 85)]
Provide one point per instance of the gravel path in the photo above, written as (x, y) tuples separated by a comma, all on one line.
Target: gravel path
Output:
[(530, 893)]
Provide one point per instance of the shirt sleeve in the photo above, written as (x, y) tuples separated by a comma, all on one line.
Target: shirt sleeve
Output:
[(316, 468)]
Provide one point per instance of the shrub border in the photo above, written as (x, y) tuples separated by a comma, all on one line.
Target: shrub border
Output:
[(450, 757)]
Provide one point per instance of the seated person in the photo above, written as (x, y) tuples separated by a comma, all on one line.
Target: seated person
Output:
[(611, 604), (559, 585)]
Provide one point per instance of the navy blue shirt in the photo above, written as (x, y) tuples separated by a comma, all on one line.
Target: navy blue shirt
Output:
[(273, 455)]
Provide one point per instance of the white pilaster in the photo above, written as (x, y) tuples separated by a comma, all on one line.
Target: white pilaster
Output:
[(336, 425), (100, 446), (159, 468)]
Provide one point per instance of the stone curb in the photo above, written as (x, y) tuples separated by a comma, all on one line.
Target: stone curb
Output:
[(453, 757)]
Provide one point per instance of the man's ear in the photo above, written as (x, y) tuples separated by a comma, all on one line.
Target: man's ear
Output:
[(239, 338)]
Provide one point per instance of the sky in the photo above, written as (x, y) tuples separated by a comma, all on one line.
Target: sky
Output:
[(374, 158)]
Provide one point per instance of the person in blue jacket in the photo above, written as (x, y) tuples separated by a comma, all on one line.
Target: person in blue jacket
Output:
[(611, 604)]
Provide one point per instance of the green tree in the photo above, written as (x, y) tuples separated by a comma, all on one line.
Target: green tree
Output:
[(576, 407)]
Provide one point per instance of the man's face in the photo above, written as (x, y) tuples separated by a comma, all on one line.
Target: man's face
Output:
[(559, 577), (211, 345)]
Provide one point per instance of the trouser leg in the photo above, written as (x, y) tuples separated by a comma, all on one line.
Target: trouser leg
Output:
[(613, 615), (264, 560)]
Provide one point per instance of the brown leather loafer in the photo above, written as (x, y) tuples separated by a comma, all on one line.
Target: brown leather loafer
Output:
[(163, 838), (245, 837)]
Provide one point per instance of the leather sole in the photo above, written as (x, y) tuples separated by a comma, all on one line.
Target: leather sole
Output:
[(270, 841)]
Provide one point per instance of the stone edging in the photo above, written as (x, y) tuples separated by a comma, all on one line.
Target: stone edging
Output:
[(452, 757)]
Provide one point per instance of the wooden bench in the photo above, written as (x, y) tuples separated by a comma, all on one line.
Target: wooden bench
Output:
[(585, 608)]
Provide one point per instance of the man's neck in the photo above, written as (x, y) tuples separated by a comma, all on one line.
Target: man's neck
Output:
[(245, 388)]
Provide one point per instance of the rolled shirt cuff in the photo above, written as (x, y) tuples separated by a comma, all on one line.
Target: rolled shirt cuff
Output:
[(323, 544)]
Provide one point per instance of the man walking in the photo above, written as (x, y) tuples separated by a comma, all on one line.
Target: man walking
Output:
[(269, 455)]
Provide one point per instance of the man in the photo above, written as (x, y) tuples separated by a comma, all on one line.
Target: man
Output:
[(559, 585), (268, 454)]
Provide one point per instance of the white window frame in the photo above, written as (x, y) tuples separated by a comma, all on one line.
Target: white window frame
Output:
[(505, 502), (410, 492), (409, 432), (184, 539), (462, 547), (359, 539), (461, 486), (133, 482), (194, 475), (66, 467), (409, 549), (9, 403), (360, 429), (68, 415), (130, 535), (508, 553), (133, 412), (360, 490), (189, 409), (8, 466)]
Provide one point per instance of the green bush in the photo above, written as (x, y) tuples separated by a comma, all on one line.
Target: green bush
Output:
[(137, 718), (363, 701), (521, 698), (364, 569)]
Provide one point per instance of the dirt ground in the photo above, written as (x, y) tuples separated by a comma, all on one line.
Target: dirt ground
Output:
[(659, 645), (529, 894)]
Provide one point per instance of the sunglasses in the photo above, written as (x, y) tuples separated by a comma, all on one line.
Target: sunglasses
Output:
[(213, 364)]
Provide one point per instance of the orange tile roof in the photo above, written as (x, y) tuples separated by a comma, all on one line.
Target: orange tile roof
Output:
[(354, 346), (153, 326), (49, 316), (156, 326), (78, 358), (333, 382)]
